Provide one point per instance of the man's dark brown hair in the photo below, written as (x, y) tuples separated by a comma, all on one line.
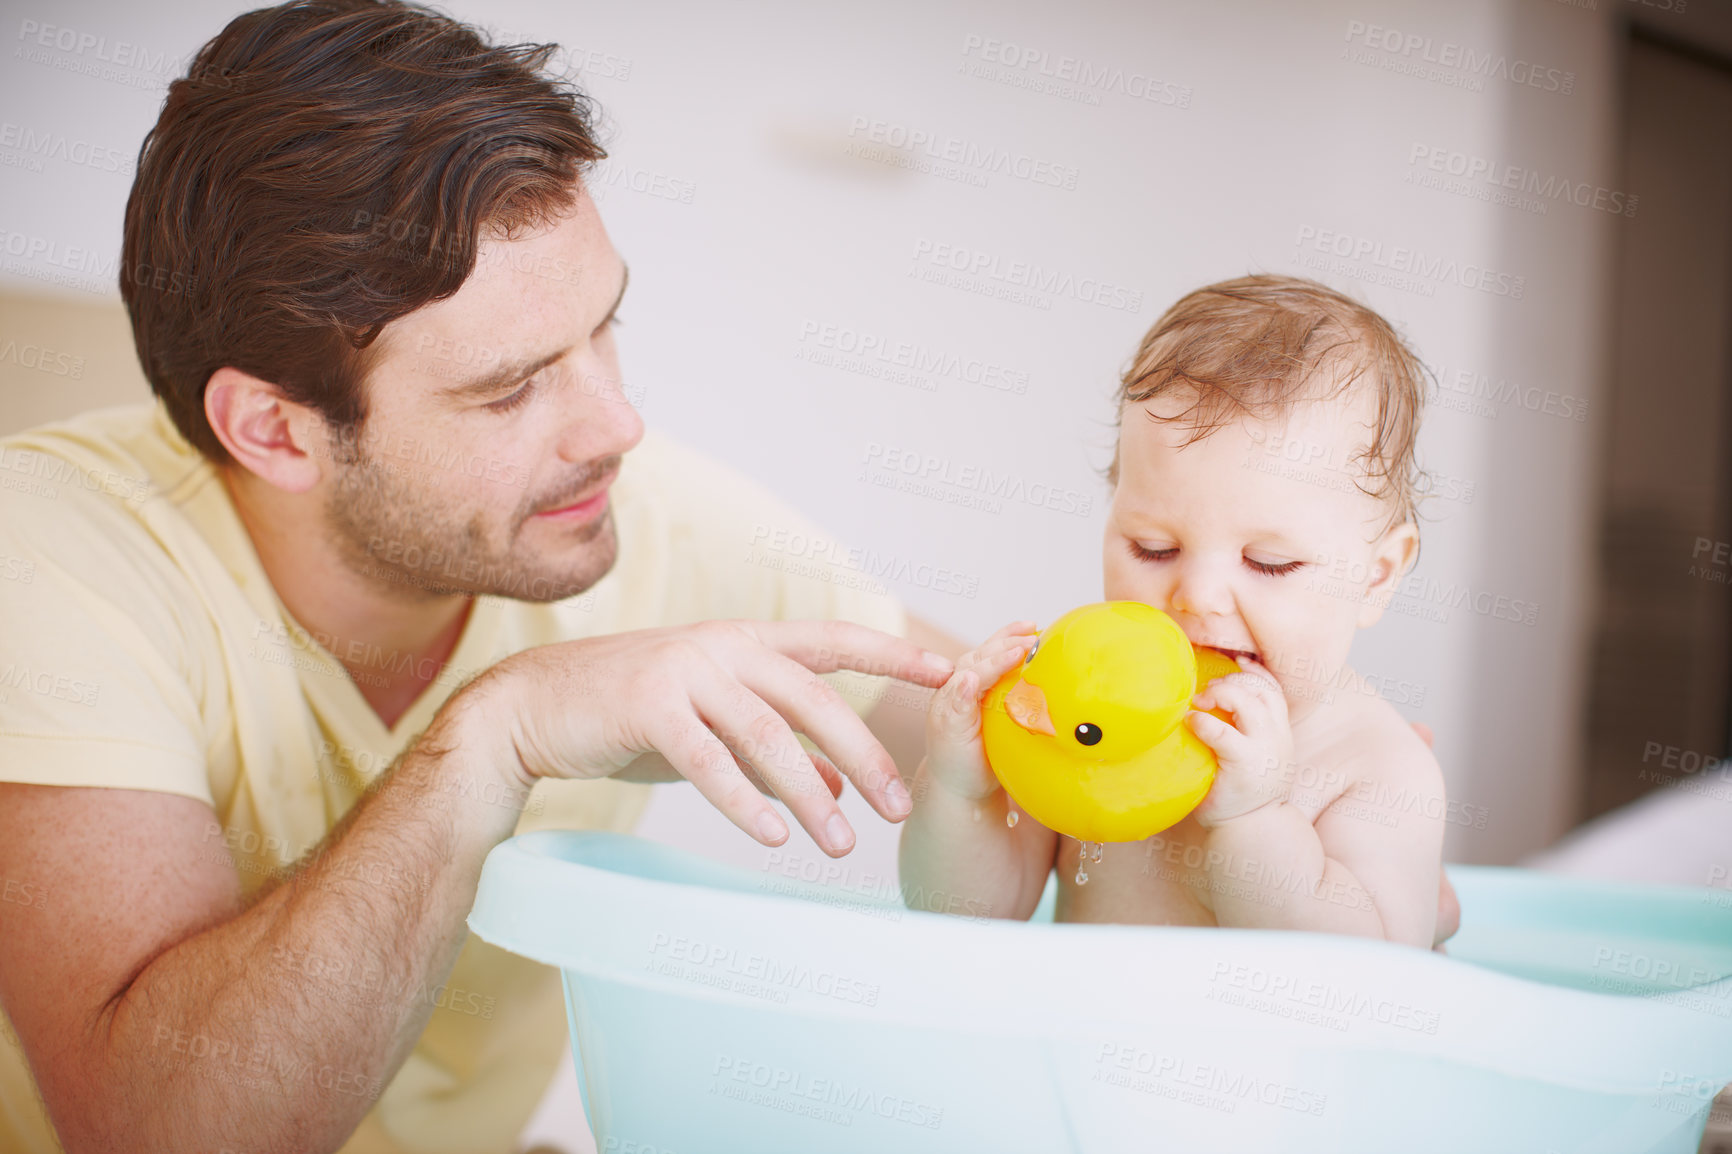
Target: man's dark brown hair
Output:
[(324, 168)]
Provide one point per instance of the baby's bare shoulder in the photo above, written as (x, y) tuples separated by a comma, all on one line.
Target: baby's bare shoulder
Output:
[(1376, 734), (1363, 742), (1384, 763)]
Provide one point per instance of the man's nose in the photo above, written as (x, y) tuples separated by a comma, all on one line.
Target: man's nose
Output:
[(599, 418)]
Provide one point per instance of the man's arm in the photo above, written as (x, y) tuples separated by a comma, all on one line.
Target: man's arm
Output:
[(159, 1014)]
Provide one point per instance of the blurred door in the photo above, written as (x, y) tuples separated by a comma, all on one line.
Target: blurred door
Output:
[(1664, 636)]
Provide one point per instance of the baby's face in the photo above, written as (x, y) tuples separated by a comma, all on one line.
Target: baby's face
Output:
[(1255, 539)]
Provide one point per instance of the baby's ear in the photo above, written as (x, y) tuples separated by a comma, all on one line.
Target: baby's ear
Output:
[(1391, 557)]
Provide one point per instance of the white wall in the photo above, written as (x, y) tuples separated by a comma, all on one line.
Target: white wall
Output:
[(1291, 127)]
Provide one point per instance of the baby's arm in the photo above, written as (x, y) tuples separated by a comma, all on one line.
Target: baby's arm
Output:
[(958, 855), (1387, 832), (1370, 864)]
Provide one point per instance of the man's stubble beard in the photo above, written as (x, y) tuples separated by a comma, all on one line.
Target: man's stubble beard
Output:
[(388, 531)]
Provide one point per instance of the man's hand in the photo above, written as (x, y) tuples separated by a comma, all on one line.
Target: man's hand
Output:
[(719, 702)]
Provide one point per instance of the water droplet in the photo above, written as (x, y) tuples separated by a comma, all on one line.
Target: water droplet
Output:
[(1082, 875), (1100, 848), (1010, 819)]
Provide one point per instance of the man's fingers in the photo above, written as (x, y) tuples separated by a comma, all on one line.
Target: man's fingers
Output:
[(758, 734), (710, 766), (834, 780), (832, 777), (650, 769), (818, 711), (827, 646)]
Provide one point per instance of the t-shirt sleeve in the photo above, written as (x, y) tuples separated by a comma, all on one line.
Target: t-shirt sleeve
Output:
[(751, 554), (94, 687)]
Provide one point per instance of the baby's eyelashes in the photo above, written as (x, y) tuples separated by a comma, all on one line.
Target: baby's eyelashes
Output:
[(1143, 553), (1274, 568), (1158, 553)]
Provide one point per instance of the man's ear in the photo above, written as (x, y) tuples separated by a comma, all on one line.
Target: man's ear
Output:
[(284, 443), (1391, 558)]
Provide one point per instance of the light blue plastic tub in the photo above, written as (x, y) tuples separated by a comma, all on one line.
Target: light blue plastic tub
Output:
[(713, 1009)]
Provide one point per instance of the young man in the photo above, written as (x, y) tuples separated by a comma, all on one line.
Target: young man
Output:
[(390, 561)]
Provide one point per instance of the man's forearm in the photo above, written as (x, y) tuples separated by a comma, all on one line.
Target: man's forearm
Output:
[(225, 1039)]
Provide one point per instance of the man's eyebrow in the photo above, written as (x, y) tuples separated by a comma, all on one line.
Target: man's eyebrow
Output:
[(511, 372), (495, 379), (624, 279)]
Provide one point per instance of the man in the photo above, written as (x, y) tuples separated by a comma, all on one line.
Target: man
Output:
[(390, 563)]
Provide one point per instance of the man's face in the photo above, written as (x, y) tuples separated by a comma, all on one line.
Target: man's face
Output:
[(496, 421), (1247, 553)]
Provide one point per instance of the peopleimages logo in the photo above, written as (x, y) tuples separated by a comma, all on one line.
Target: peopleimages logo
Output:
[(46, 145), (929, 475), (1400, 266), (88, 54), (867, 346), (81, 43), (1448, 61), (905, 146), (45, 360), (797, 547), (1073, 77), (1496, 175), (1019, 281), (50, 253), (1482, 395)]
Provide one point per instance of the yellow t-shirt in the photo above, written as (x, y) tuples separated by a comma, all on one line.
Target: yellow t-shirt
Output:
[(143, 647)]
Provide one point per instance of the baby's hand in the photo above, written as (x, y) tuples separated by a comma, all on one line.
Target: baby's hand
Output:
[(954, 754), (1255, 752)]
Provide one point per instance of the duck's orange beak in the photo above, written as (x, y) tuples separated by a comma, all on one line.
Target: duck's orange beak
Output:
[(1026, 705)]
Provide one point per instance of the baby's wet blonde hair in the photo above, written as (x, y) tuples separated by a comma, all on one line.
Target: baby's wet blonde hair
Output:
[(1258, 345)]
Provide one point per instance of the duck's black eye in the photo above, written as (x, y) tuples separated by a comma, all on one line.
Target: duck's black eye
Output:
[(1088, 734), (1032, 650)]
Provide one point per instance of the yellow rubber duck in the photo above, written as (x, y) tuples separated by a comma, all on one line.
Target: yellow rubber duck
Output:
[(1088, 735)]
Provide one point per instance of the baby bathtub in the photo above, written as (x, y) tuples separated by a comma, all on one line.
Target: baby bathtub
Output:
[(714, 1009)]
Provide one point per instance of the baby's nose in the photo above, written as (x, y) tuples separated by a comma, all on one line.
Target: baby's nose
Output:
[(1201, 591)]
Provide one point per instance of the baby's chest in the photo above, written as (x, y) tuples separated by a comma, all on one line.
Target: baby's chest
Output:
[(1159, 881), (1168, 879)]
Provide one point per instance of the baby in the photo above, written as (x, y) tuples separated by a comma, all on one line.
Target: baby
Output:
[(1264, 493)]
